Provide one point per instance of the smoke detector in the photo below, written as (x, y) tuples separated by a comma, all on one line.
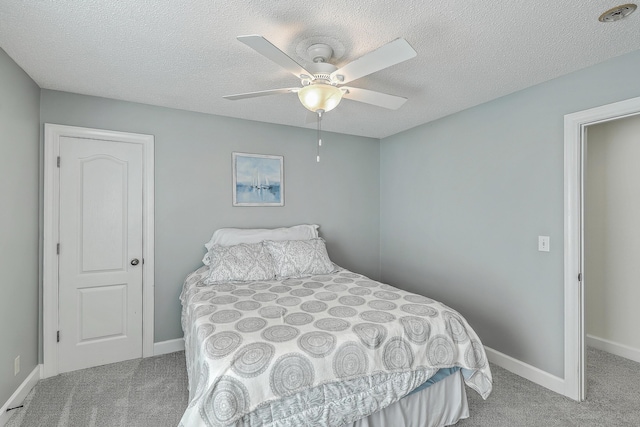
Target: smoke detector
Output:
[(617, 13)]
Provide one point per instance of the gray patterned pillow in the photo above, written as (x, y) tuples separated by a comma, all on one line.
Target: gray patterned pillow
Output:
[(244, 262), (299, 258)]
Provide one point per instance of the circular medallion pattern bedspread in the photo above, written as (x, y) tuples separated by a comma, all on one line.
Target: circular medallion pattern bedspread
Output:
[(267, 352)]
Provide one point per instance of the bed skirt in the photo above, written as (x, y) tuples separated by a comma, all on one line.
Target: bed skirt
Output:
[(442, 404)]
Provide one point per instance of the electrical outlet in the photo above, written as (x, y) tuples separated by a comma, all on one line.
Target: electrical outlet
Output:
[(16, 366)]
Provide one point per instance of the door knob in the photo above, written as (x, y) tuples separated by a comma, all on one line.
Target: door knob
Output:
[(135, 261)]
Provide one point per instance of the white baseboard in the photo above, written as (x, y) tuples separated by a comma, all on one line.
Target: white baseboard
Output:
[(17, 398), (526, 371), (614, 348), (170, 346)]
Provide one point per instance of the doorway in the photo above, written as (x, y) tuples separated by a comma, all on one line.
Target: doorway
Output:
[(98, 248), (612, 237), (575, 126)]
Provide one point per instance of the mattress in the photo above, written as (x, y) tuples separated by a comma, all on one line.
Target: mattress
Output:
[(324, 350)]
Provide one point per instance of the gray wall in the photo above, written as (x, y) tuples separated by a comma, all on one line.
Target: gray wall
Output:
[(612, 235), (464, 198), (193, 185), (19, 154)]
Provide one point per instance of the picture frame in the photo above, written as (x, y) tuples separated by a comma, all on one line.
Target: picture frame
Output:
[(258, 179)]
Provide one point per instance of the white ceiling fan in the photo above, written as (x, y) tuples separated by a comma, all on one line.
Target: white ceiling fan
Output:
[(322, 81)]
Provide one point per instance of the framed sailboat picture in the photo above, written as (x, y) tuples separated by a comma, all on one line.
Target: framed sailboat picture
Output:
[(258, 180)]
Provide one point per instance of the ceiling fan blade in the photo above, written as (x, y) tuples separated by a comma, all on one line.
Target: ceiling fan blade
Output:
[(390, 54), (261, 93), (380, 99), (265, 48)]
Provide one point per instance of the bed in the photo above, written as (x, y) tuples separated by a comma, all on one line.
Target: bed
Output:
[(278, 335)]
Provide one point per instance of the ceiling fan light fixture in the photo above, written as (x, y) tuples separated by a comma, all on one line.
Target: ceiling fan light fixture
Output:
[(320, 96)]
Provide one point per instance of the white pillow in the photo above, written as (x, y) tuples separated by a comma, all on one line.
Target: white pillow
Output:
[(235, 236), (299, 258), (239, 263)]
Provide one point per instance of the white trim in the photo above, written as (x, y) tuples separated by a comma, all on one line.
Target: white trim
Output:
[(148, 247), (52, 135), (574, 343), (612, 347), (18, 396), (573, 293), (169, 346), (526, 371), (49, 257)]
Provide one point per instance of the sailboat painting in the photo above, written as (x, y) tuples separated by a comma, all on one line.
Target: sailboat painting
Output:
[(258, 180)]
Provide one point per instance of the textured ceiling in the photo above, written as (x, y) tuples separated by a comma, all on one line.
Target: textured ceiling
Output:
[(185, 54)]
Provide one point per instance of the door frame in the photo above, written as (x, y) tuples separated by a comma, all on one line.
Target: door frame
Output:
[(575, 125), (52, 135)]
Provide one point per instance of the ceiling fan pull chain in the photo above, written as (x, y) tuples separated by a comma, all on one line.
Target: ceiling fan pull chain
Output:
[(319, 138)]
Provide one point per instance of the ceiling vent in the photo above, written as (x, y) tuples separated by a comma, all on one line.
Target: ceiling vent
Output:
[(617, 13)]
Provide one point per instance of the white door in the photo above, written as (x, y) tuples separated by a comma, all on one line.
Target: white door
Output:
[(100, 260)]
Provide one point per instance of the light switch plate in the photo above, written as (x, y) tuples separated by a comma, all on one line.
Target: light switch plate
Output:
[(543, 243)]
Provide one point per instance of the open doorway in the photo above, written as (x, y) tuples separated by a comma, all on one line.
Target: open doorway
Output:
[(576, 125), (612, 236)]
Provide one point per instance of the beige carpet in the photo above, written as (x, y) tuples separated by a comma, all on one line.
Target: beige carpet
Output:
[(153, 392), (141, 392), (613, 399)]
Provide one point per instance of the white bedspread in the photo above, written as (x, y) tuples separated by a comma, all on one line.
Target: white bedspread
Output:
[(322, 351)]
